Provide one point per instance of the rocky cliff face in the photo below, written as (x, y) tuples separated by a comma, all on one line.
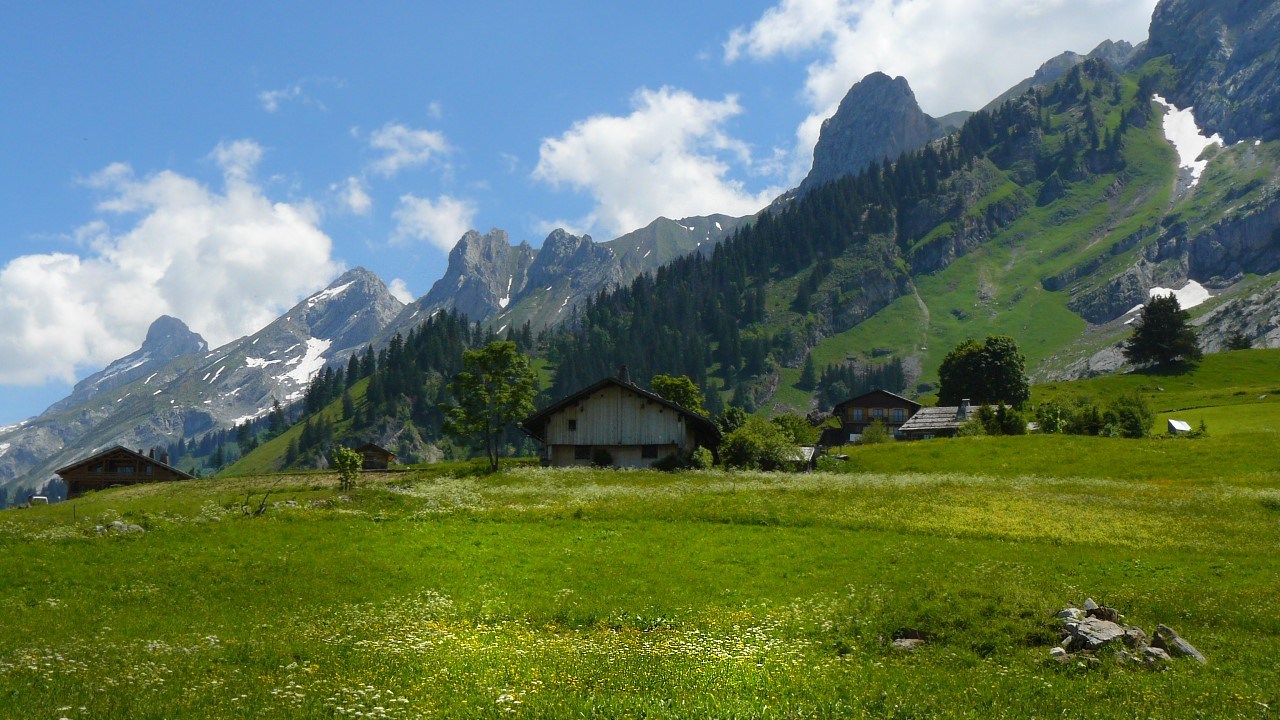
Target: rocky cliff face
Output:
[(1227, 60), (1118, 54), (484, 273), (173, 386), (878, 118)]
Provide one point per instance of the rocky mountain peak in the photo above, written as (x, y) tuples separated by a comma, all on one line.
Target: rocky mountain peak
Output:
[(169, 338), (878, 118), (1227, 62), (563, 254)]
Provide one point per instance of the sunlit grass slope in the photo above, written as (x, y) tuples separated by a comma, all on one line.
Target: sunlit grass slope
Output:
[(546, 593)]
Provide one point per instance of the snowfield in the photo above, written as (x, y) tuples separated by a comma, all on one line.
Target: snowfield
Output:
[(1181, 130)]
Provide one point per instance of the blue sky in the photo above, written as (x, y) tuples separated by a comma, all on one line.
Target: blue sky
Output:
[(218, 162)]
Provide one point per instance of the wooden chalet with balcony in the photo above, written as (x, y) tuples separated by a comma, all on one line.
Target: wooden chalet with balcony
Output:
[(117, 466), (614, 422), (855, 414)]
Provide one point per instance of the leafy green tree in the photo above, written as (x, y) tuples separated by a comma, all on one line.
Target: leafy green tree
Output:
[(348, 406), (679, 390), (987, 373), (1129, 416), (495, 388), (731, 419), (758, 445), (347, 462), (1162, 335), (798, 428)]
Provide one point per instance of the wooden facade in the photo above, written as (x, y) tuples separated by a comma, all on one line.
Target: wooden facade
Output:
[(115, 467), (857, 413), (619, 422), (375, 457)]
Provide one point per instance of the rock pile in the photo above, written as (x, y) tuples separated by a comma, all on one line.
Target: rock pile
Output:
[(1087, 630)]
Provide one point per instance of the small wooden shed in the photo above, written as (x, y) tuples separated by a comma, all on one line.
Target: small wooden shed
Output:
[(117, 466), (375, 457)]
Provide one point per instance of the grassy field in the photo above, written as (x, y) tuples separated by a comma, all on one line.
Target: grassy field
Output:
[(539, 593)]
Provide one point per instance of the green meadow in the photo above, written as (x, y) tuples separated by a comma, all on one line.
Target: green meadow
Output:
[(446, 592)]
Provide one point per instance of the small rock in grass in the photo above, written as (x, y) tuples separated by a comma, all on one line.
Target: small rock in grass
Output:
[(1168, 640), (1059, 654), (907, 644), (1109, 614), (1089, 604), (1154, 656), (1093, 633), (1070, 614), (1134, 636)]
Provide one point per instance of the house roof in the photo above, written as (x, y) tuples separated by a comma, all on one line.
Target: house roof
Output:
[(120, 448), (371, 446), (862, 399), (930, 419), (535, 424)]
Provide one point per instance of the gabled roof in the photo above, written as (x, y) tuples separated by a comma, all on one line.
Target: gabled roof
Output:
[(122, 449), (371, 446), (931, 419), (535, 424), (861, 399)]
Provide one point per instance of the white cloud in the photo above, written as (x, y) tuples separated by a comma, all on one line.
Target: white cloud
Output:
[(354, 195), (671, 156), (441, 222), (400, 290), (225, 262), (272, 99), (404, 147), (957, 54)]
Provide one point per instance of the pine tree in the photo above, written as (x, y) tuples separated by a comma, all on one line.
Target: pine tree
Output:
[(1162, 335), (808, 375)]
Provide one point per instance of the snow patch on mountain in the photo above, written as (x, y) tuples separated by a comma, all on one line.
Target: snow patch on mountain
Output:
[(328, 293), (1191, 294), (308, 364), (1184, 134), (254, 362)]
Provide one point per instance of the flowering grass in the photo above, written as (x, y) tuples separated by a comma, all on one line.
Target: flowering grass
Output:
[(539, 593)]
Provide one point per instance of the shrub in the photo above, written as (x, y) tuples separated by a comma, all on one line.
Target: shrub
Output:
[(347, 462), (875, 433), (757, 445), (1052, 417), (1130, 416), (601, 458)]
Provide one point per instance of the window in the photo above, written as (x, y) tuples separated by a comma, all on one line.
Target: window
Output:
[(581, 452), (877, 412), (573, 425), (899, 415), (649, 452), (857, 414)]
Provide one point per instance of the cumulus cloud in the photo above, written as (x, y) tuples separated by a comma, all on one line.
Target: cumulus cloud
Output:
[(354, 195), (403, 147), (671, 156), (226, 262), (400, 290), (957, 54), (441, 222)]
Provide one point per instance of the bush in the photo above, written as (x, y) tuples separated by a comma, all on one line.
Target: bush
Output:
[(601, 458), (875, 433), (1130, 416), (757, 445), (347, 462), (1052, 417), (699, 459)]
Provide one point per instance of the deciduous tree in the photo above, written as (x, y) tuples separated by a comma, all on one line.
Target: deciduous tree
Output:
[(495, 388), (992, 372)]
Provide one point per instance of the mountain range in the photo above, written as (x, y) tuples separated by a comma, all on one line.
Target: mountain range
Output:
[(1053, 232)]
